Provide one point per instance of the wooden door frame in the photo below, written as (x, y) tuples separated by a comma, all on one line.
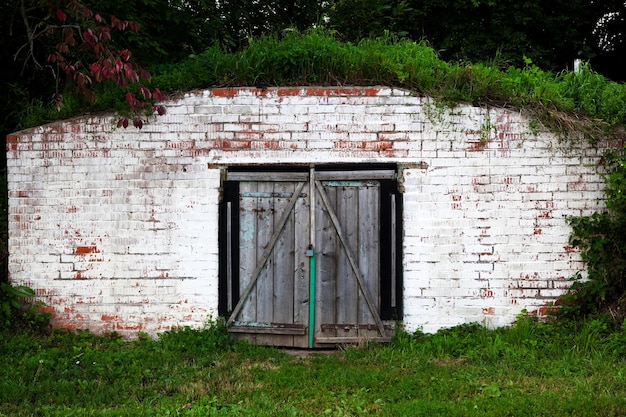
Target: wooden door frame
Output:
[(390, 305)]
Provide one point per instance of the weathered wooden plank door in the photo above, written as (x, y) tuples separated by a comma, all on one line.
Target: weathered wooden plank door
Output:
[(348, 242), (291, 237), (267, 280)]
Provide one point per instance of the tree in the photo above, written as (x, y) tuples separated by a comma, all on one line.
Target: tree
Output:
[(508, 32), (50, 46), (75, 46), (609, 38)]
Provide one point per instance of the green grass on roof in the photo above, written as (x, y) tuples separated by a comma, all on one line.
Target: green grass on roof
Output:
[(581, 102)]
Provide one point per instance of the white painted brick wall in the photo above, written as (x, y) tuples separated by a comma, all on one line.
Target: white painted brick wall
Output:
[(116, 229)]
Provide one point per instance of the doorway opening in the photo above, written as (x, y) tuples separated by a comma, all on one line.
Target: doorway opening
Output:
[(311, 256)]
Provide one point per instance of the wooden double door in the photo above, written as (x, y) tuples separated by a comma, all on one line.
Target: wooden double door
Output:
[(310, 257)]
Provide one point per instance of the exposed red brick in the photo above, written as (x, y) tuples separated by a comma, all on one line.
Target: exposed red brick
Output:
[(378, 145), (224, 92), (236, 144), (129, 326), (489, 310), (70, 325), (371, 91), (476, 146), (394, 153), (288, 91), (332, 91), (46, 309), (81, 250)]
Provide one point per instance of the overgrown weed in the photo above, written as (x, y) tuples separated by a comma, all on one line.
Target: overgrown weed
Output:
[(567, 103)]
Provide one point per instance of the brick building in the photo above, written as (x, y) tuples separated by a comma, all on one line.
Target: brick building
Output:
[(379, 206)]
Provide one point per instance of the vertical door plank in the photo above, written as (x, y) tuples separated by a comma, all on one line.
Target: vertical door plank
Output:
[(264, 229), (327, 249), (247, 247), (348, 212), (282, 298), (267, 252), (368, 244), (373, 307)]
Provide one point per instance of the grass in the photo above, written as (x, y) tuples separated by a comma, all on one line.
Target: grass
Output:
[(530, 369), (583, 102)]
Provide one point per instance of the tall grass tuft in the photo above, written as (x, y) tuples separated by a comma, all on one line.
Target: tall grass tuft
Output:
[(567, 102)]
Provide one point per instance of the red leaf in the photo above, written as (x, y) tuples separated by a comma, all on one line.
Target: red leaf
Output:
[(105, 35), (145, 92), (131, 99), (161, 110), (116, 23), (61, 16), (89, 36), (138, 123), (131, 74), (125, 122), (157, 94), (124, 54), (98, 18)]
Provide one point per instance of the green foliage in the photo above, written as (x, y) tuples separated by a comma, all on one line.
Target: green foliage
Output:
[(601, 239), (15, 310), (10, 297), (319, 58), (529, 369), (550, 33)]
